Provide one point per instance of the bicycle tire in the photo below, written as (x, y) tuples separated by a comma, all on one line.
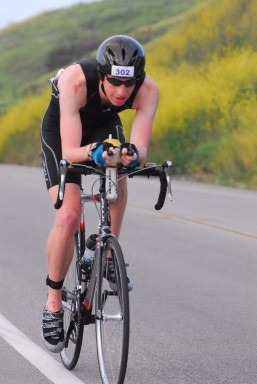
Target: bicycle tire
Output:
[(72, 320), (112, 325)]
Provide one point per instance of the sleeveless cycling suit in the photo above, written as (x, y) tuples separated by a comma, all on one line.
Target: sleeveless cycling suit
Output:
[(97, 121)]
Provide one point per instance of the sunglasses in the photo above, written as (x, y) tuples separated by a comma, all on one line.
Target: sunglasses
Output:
[(117, 82)]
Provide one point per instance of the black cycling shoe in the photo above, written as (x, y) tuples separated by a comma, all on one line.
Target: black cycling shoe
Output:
[(52, 330), (109, 274)]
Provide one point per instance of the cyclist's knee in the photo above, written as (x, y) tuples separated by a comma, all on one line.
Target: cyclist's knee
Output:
[(68, 220), (68, 217)]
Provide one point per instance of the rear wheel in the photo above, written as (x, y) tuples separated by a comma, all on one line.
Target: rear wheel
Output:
[(112, 319), (72, 320)]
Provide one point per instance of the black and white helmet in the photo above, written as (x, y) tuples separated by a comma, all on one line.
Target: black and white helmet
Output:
[(121, 56)]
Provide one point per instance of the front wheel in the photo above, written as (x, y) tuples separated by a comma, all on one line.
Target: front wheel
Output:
[(112, 318)]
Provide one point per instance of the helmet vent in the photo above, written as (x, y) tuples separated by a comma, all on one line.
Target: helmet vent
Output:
[(110, 51), (135, 53), (123, 53)]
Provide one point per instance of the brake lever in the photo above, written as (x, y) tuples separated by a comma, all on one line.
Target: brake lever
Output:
[(63, 167)]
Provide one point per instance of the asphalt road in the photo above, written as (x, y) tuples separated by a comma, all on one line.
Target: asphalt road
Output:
[(194, 270)]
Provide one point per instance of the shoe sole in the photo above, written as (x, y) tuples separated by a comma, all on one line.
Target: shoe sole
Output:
[(53, 348)]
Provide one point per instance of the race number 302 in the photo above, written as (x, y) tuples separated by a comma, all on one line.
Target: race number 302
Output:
[(122, 71)]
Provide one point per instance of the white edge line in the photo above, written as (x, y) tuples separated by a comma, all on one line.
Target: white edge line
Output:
[(49, 367)]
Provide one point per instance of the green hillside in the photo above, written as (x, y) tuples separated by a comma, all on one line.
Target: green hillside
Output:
[(29, 51), (202, 54), (209, 119)]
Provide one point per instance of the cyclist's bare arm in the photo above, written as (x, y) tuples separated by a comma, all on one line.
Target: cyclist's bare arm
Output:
[(73, 94), (146, 104)]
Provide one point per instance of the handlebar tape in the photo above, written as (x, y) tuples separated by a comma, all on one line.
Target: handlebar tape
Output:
[(162, 194)]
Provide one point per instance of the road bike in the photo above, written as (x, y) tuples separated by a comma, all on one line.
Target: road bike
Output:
[(89, 295)]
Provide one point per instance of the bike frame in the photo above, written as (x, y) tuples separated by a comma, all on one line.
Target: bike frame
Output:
[(104, 232), (105, 221), (90, 300)]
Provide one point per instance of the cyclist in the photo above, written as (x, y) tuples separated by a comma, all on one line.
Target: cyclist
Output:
[(86, 99)]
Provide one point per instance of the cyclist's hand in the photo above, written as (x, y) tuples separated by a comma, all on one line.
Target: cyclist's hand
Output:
[(129, 155), (110, 155), (97, 154), (103, 154)]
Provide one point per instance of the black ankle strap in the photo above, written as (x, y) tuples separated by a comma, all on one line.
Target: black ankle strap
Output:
[(54, 284)]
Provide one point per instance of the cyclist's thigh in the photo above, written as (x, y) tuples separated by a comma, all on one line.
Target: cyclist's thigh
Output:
[(52, 153), (72, 196), (69, 215)]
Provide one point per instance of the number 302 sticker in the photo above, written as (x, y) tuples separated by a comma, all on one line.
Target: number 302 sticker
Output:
[(122, 71)]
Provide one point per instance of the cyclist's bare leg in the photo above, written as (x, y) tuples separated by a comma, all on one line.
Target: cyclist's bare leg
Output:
[(59, 248), (118, 209)]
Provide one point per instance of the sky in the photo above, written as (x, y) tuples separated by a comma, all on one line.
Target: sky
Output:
[(12, 11)]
